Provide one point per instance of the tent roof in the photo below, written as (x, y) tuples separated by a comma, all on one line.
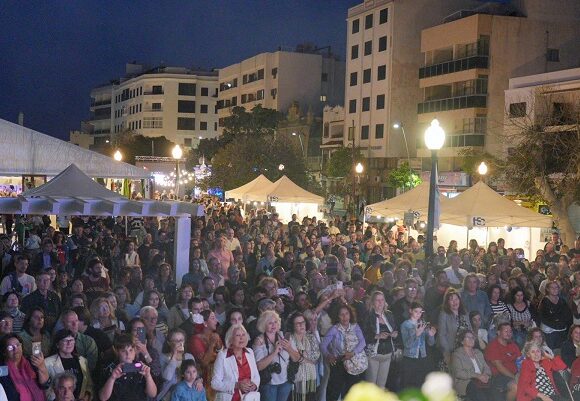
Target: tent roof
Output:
[(241, 192), (285, 190), (483, 202), (24, 151), (72, 182), (74, 193), (415, 200)]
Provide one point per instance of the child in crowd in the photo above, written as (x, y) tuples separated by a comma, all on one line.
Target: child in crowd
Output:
[(186, 389)]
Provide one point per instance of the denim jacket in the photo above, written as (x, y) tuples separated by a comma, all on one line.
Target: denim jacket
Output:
[(414, 347)]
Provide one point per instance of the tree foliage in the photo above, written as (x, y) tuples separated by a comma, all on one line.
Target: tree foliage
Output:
[(340, 162), (404, 177), (544, 160), (250, 147), (131, 145)]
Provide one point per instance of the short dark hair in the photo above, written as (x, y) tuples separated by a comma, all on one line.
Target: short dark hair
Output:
[(123, 340), (187, 363), (292, 318)]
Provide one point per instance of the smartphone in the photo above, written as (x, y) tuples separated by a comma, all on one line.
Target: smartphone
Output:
[(36, 348), (414, 272), (132, 367), (283, 291), (3, 371), (141, 335), (339, 285)]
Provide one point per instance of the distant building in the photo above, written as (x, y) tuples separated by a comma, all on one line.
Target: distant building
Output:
[(468, 62), (175, 102), (309, 76), (382, 59)]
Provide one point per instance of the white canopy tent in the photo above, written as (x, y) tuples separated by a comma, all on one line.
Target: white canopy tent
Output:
[(24, 151), (288, 199), (74, 193), (486, 215), (415, 200), (255, 185)]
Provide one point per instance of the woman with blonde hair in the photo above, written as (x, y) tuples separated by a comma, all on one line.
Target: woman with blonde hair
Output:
[(103, 317), (235, 374)]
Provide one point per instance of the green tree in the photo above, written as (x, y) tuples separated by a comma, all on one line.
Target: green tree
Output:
[(404, 177), (340, 162), (544, 157)]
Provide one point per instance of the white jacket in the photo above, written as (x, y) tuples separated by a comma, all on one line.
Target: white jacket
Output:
[(54, 366), (225, 374)]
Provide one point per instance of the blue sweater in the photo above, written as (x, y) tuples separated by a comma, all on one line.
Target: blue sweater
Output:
[(183, 392)]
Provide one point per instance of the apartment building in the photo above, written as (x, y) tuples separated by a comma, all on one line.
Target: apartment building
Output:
[(276, 80), (383, 57), (174, 102), (469, 60)]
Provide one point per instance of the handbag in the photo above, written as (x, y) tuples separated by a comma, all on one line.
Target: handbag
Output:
[(357, 364), (291, 370)]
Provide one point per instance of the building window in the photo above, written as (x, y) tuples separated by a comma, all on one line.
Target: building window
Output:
[(261, 74), (152, 122), (184, 89), (244, 98), (187, 142), (324, 77), (186, 106), (203, 126), (367, 76), (215, 125), (274, 92), (352, 106), (185, 124), (156, 106), (274, 72), (245, 79), (518, 109), (379, 131), (369, 21), (380, 102), (353, 78), (382, 43), (366, 103), (384, 16), (553, 55), (203, 108), (234, 101), (381, 72), (260, 94), (364, 132), (355, 26), (204, 91), (368, 47), (354, 52), (323, 98)]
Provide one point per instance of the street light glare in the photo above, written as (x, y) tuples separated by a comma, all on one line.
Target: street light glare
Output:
[(281, 167), (397, 125), (482, 169), (434, 136), (294, 134), (359, 168), (118, 156), (177, 152)]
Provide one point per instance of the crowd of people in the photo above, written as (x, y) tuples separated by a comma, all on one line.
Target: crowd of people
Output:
[(275, 312)]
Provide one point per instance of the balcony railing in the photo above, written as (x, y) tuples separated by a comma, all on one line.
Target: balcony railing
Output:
[(157, 92), (460, 141), (454, 103), (449, 67), (101, 103)]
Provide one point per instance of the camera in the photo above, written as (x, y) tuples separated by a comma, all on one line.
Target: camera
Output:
[(275, 368)]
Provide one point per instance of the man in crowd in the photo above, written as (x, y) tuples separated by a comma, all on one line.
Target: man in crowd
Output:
[(18, 280), (45, 298), (501, 355)]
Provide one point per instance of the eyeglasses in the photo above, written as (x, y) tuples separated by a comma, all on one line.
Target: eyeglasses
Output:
[(412, 288), (12, 347), (180, 341), (68, 340), (299, 322)]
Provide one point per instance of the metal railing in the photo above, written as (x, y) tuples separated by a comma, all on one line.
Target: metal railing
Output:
[(452, 66), (453, 103)]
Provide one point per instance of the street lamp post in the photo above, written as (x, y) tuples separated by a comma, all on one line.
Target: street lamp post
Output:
[(434, 140), (359, 168), (399, 125), (177, 153), (482, 170), (299, 135), (118, 156)]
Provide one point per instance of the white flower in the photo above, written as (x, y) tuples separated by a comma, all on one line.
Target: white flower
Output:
[(438, 386)]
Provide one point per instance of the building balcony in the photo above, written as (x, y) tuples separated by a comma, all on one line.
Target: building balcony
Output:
[(157, 92), (452, 66), (100, 103), (153, 110), (453, 103), (460, 140)]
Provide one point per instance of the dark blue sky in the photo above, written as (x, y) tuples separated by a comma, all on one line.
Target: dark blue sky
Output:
[(53, 52)]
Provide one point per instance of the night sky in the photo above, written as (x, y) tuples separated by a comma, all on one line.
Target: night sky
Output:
[(53, 52)]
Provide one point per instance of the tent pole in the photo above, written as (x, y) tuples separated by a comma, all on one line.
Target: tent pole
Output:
[(126, 227), (467, 239)]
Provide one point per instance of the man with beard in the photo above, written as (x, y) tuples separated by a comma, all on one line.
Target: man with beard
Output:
[(94, 284)]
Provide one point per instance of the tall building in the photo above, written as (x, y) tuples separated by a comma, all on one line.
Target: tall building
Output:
[(469, 59), (382, 59), (278, 79), (174, 102)]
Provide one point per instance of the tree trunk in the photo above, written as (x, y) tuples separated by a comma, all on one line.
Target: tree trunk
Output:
[(559, 209)]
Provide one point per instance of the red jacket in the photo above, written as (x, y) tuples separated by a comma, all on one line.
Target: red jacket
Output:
[(527, 382)]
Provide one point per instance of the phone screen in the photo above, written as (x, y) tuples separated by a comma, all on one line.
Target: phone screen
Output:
[(141, 334)]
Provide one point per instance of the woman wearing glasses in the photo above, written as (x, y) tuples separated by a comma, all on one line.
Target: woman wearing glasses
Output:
[(306, 347), (22, 383), (171, 358), (67, 359)]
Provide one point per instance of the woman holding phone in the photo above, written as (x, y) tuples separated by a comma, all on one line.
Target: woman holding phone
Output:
[(171, 358)]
